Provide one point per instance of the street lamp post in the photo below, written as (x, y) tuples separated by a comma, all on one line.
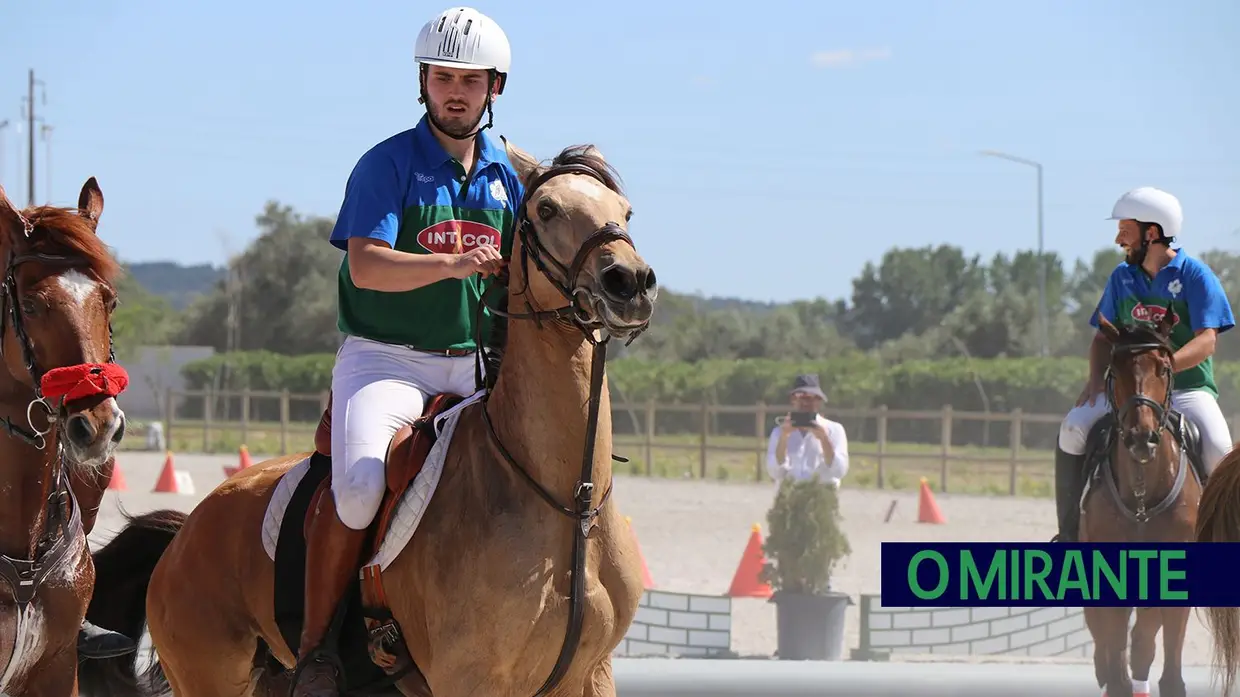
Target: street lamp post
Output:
[(1041, 257)]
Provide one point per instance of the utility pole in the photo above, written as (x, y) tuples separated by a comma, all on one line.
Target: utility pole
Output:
[(30, 121)]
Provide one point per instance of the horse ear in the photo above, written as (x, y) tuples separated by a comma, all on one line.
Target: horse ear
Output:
[(593, 151), (90, 201), (10, 219), (1108, 330), (524, 163), (1167, 323)]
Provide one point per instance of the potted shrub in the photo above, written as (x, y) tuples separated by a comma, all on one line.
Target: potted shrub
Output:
[(803, 544)]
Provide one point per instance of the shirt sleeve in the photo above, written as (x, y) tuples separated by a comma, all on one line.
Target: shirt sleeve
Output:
[(1208, 307), (373, 202), (1108, 304), (837, 466), (776, 469)]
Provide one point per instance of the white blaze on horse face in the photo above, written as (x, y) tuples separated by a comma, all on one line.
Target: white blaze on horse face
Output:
[(78, 285), (586, 186)]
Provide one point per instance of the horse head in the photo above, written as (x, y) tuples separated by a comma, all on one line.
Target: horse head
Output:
[(1139, 382), (572, 224), (56, 302)]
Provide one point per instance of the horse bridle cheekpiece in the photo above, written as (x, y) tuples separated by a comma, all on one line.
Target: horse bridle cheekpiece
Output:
[(578, 314)]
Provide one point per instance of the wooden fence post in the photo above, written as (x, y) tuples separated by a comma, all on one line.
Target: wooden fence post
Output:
[(1015, 437), (881, 436), (945, 438)]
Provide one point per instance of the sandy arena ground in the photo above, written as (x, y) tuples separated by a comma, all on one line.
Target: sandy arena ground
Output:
[(692, 534)]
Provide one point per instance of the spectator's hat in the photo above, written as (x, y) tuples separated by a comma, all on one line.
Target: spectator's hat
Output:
[(808, 384)]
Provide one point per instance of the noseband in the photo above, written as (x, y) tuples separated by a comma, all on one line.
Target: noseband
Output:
[(565, 279)]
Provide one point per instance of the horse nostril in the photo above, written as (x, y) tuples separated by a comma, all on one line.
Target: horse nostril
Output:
[(120, 431), (647, 279), (80, 431), (620, 282)]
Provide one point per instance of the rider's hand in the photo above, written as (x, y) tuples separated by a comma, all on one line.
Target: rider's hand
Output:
[(785, 426), (485, 260), (1093, 388)]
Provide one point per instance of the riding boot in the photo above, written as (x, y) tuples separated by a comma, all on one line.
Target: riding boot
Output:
[(88, 487), (333, 556), (1069, 473)]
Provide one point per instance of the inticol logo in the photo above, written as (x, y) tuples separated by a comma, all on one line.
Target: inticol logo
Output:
[(457, 236)]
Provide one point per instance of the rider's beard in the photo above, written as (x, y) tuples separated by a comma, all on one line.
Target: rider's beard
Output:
[(458, 124)]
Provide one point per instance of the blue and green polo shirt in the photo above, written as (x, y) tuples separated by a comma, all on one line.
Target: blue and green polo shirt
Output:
[(410, 193)]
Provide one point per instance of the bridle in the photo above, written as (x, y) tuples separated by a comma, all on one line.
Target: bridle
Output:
[(25, 576), (1163, 411), (565, 279)]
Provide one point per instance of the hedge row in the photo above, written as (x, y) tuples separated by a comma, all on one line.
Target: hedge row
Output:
[(1035, 385)]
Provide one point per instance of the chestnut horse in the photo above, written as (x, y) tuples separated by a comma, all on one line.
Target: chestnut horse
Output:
[(59, 427), (1145, 488), (522, 577), (1219, 521)]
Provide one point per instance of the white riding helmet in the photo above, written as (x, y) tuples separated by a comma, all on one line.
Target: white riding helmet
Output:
[(1150, 205), (462, 37)]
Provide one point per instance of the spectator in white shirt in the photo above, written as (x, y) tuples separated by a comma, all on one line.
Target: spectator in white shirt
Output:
[(802, 437)]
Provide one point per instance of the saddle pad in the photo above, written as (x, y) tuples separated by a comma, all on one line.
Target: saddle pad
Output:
[(408, 512)]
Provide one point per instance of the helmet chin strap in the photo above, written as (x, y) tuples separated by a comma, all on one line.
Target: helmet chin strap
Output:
[(426, 100)]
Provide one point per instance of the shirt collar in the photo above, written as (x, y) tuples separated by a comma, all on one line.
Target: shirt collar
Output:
[(438, 157)]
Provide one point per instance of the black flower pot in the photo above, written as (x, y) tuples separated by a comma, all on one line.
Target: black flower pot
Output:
[(810, 627)]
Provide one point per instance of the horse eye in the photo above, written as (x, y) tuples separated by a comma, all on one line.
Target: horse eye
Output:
[(29, 308), (546, 210), (628, 216)]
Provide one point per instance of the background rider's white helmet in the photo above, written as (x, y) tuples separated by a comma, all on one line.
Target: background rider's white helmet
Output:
[(1150, 205), (462, 37)]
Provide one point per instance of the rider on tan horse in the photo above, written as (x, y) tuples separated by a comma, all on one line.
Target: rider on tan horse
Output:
[(426, 226), (1152, 279)]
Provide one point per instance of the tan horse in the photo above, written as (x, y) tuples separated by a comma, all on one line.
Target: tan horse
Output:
[(1146, 488), (498, 590), (59, 425)]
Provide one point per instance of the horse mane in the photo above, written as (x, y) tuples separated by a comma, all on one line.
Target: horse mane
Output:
[(587, 156), (65, 231)]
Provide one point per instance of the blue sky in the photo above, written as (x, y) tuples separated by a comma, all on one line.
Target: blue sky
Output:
[(770, 149)]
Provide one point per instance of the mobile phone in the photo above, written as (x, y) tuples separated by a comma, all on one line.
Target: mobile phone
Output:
[(803, 419)]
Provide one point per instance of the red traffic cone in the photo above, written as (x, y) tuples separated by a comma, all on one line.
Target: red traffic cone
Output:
[(171, 481), (927, 508), (117, 482), (746, 582)]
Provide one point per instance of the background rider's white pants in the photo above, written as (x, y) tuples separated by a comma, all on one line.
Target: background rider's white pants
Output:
[(1198, 406), (376, 389)]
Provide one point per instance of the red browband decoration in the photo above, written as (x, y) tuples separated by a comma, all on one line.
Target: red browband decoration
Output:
[(86, 380)]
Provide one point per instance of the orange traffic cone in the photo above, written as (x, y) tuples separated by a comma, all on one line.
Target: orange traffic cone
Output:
[(927, 508), (171, 481), (244, 463), (746, 583), (117, 482), (647, 579)]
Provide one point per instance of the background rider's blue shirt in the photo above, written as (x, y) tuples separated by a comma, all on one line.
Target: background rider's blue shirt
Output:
[(1190, 288), (410, 193)]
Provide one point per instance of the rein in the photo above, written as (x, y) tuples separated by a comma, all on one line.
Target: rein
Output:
[(59, 385), (1142, 515), (574, 314)]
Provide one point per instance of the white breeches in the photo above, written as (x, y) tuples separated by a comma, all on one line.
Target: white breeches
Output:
[(376, 389), (1197, 406)]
